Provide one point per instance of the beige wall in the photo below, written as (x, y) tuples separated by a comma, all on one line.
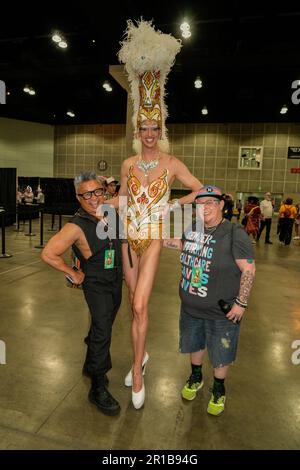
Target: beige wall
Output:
[(27, 146), (209, 150), (79, 148)]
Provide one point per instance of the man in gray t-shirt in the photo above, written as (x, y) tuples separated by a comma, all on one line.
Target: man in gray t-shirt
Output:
[(217, 275)]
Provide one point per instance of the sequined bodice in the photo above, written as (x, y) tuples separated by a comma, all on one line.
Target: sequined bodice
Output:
[(145, 205)]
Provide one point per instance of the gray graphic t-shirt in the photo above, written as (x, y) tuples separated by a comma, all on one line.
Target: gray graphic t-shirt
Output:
[(208, 268)]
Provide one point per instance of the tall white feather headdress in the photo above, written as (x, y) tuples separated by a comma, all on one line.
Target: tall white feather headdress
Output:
[(148, 56)]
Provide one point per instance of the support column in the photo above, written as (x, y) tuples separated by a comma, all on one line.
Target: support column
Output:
[(118, 73)]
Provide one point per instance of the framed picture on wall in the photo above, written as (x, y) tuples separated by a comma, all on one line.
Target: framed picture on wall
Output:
[(250, 158), (294, 152), (102, 165)]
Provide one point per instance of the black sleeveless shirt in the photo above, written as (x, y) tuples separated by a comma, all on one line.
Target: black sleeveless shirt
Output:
[(98, 246)]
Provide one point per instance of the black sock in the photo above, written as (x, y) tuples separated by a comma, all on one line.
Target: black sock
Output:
[(219, 385), (197, 372)]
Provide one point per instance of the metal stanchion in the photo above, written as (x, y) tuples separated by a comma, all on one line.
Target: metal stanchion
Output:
[(52, 229), (3, 255), (30, 234), (59, 221), (41, 245), (18, 210)]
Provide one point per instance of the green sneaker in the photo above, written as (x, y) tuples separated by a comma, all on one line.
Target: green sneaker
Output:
[(191, 388), (216, 403)]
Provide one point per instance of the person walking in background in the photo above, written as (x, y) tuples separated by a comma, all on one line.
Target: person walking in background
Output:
[(253, 217), (111, 188), (239, 207), (266, 208), (28, 195), (228, 207), (297, 222), (19, 196), (40, 197), (286, 217)]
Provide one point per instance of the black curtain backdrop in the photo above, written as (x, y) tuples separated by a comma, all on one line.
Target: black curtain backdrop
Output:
[(60, 195), (8, 181)]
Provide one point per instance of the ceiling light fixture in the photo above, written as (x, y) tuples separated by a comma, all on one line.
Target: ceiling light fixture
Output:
[(198, 82), (284, 109), (59, 40), (29, 90), (62, 44), (107, 86), (56, 38), (186, 34), (204, 110), (185, 26), (186, 30)]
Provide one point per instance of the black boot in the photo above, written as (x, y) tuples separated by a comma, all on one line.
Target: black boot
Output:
[(100, 396), (85, 371)]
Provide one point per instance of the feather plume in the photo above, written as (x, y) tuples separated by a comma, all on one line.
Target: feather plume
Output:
[(145, 49)]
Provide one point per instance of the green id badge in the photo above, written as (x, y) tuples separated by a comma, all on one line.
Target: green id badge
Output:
[(196, 277), (109, 259)]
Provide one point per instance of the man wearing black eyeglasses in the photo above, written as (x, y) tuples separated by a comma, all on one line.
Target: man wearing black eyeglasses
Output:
[(100, 275)]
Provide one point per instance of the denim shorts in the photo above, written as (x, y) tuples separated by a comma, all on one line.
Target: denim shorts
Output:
[(220, 337)]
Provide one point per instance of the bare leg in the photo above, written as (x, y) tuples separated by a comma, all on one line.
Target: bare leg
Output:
[(143, 273), (146, 275), (197, 357), (221, 372), (130, 272)]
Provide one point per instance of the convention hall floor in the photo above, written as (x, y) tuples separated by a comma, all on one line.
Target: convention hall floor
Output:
[(43, 396)]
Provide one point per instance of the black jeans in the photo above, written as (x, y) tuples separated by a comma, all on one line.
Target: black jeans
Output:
[(286, 230), (265, 223), (103, 295)]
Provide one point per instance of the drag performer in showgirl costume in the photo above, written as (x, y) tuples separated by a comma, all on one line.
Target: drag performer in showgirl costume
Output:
[(146, 178)]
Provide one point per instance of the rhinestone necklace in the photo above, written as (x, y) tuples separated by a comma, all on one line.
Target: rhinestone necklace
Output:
[(147, 166)]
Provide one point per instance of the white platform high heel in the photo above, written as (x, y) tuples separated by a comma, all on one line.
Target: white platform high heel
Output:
[(138, 398), (128, 378)]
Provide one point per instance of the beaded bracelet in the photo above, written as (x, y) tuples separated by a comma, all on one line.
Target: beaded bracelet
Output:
[(239, 303)]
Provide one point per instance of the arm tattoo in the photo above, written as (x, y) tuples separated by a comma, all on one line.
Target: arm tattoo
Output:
[(246, 285)]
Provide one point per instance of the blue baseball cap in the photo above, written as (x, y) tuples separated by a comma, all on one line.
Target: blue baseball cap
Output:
[(209, 191)]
